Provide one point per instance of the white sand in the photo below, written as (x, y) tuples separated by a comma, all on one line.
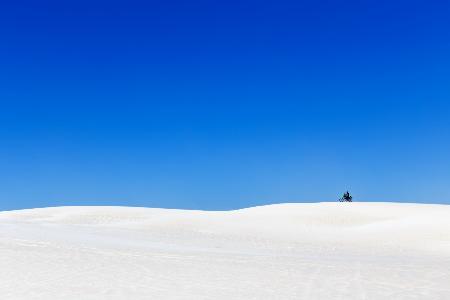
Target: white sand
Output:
[(286, 251)]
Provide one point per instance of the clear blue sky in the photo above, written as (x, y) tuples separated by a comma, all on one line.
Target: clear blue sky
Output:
[(223, 104)]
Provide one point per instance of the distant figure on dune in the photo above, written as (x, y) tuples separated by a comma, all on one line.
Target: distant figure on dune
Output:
[(346, 197)]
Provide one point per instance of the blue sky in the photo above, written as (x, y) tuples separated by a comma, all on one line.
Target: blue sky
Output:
[(223, 104)]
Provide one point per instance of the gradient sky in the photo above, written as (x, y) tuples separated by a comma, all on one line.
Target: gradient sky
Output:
[(223, 104)]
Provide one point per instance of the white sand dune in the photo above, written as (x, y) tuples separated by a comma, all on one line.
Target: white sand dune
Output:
[(285, 251)]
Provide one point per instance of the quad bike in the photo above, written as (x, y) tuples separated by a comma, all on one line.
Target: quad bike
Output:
[(346, 198)]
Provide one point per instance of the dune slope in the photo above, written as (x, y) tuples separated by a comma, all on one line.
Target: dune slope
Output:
[(283, 251)]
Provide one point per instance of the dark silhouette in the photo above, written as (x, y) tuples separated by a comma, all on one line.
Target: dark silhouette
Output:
[(346, 197)]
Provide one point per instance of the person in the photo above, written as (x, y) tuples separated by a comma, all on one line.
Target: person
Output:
[(346, 197)]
